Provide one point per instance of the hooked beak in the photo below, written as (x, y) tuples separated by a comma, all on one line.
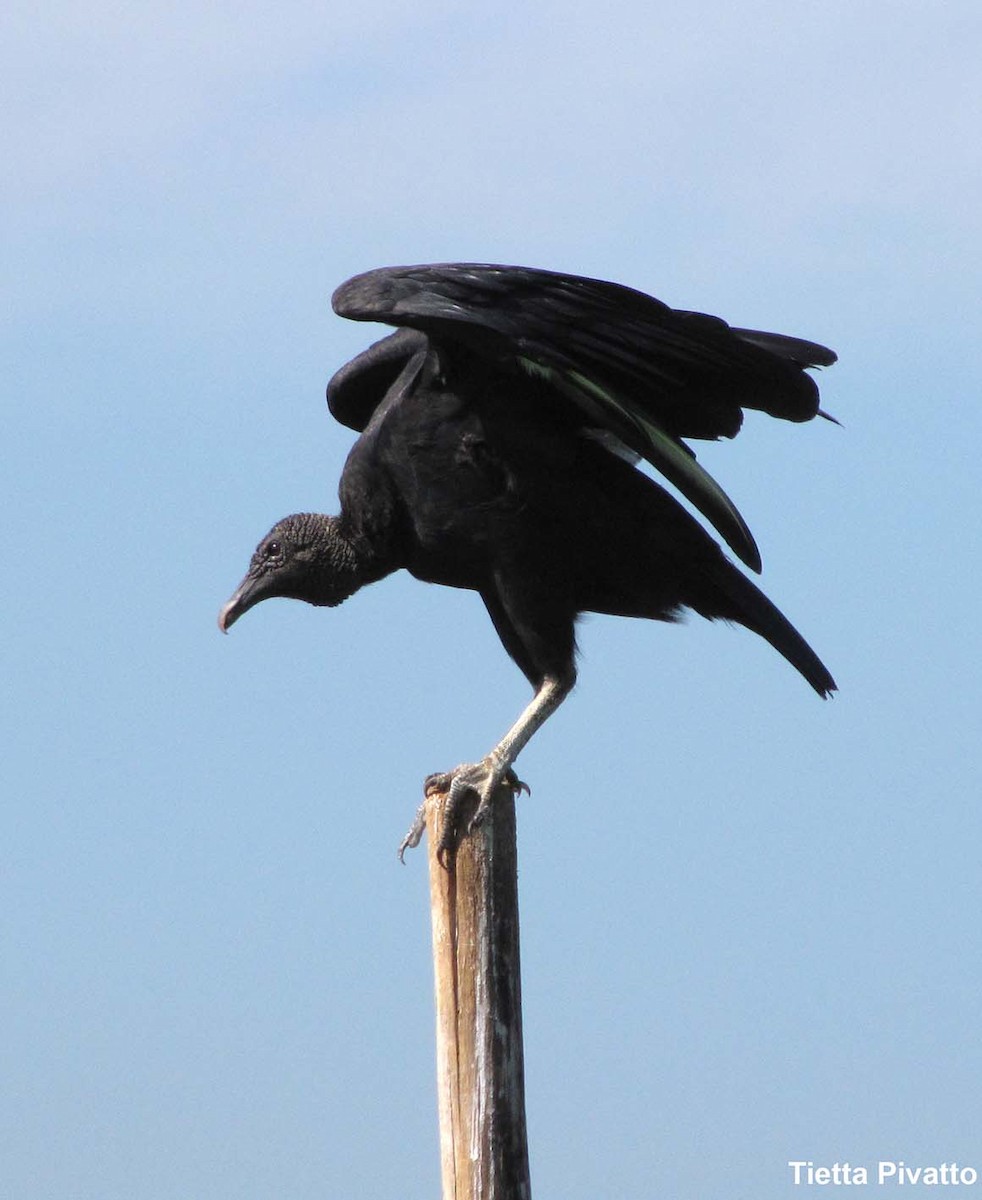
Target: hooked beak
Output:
[(248, 593)]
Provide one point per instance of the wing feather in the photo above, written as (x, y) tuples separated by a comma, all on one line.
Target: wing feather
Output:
[(649, 374)]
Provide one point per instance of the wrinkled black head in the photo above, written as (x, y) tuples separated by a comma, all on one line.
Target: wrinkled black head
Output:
[(303, 557)]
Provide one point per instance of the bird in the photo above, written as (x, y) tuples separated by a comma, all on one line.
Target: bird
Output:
[(502, 429)]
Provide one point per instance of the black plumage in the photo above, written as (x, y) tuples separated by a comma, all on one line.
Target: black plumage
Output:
[(499, 429)]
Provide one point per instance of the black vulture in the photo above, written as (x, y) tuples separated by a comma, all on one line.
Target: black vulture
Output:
[(501, 427)]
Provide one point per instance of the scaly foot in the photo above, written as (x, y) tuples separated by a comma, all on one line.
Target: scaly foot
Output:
[(461, 784), (469, 779)]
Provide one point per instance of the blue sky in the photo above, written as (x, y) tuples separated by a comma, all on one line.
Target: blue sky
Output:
[(750, 919)]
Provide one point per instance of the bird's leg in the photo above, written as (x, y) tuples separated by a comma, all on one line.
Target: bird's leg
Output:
[(484, 778)]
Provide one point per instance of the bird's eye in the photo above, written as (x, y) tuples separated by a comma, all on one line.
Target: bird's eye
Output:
[(271, 550)]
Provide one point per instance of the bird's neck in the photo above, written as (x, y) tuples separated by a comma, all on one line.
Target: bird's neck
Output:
[(344, 563)]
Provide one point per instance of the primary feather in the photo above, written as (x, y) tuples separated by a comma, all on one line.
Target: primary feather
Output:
[(650, 374)]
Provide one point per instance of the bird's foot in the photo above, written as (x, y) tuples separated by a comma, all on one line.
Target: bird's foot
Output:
[(462, 784), (415, 832), (460, 787)]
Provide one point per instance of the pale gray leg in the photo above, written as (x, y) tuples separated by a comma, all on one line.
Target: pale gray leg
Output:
[(487, 776)]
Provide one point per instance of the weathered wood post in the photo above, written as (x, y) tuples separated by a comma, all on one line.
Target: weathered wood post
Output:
[(480, 1063)]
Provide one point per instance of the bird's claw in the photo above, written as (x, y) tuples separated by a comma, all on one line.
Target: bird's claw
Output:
[(468, 780), (415, 832)]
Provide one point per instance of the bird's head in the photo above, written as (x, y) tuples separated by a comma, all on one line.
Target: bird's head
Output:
[(303, 557)]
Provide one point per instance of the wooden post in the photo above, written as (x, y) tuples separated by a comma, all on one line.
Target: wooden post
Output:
[(480, 1064)]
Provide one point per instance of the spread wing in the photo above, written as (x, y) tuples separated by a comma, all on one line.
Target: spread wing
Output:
[(646, 373)]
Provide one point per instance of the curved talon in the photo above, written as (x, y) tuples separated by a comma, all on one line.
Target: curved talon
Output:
[(414, 834), (439, 781), (517, 785), (463, 780), (469, 779)]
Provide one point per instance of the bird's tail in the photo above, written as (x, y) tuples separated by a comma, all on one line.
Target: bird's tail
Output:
[(752, 609)]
